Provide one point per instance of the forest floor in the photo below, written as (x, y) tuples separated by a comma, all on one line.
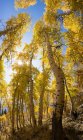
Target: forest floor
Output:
[(73, 128)]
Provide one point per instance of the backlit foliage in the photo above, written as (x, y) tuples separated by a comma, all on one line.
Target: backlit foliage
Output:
[(19, 25)]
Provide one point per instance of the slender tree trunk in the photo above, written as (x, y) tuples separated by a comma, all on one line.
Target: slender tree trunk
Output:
[(32, 112), (17, 112), (41, 108), (72, 102), (13, 109), (65, 105), (22, 111), (41, 96), (47, 105), (13, 114), (57, 129), (20, 122)]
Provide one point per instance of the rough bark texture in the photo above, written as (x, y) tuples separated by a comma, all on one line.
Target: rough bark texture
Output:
[(57, 130), (59, 100)]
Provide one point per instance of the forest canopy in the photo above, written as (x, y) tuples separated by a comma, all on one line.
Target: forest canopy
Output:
[(46, 82)]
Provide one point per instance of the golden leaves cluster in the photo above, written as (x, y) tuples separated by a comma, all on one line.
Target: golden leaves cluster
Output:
[(24, 3)]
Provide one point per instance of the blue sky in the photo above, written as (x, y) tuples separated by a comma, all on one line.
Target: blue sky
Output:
[(7, 9)]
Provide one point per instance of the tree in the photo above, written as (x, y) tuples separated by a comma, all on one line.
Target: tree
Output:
[(20, 89), (28, 56), (44, 34), (15, 28), (43, 79), (29, 87)]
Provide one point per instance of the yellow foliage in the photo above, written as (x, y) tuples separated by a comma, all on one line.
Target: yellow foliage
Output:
[(52, 5), (72, 23), (49, 18), (3, 118), (24, 3), (65, 5)]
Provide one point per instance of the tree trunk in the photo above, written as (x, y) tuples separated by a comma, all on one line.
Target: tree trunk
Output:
[(32, 112), (47, 106), (57, 129), (41, 107), (13, 109), (72, 102), (13, 114), (20, 122), (17, 111), (22, 111), (41, 96)]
